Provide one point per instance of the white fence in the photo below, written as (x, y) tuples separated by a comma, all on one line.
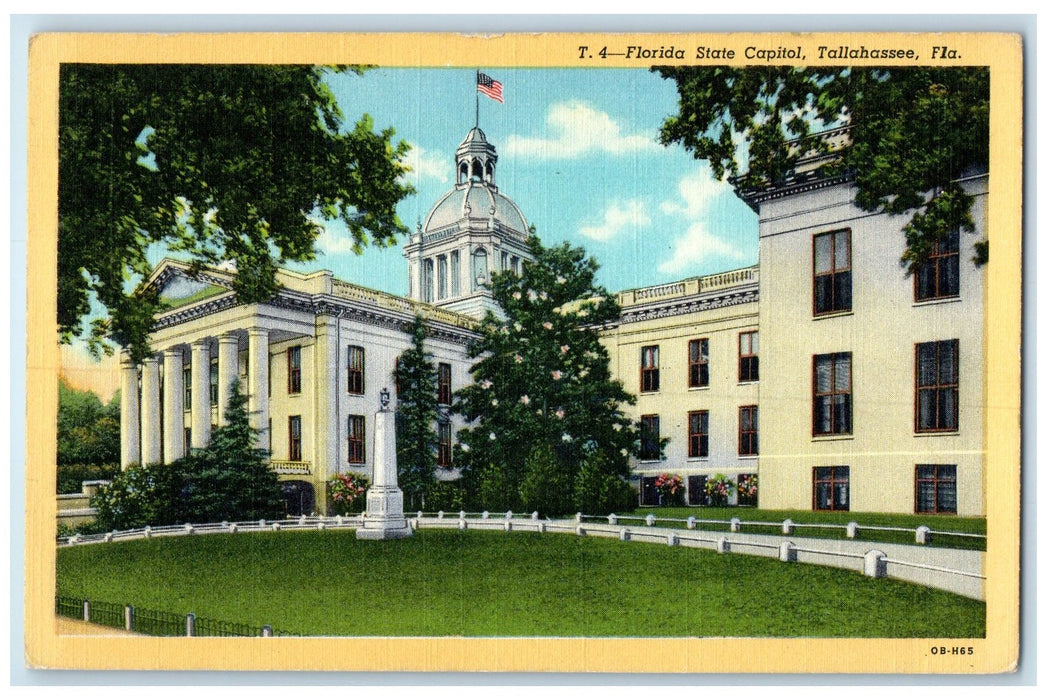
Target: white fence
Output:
[(957, 571)]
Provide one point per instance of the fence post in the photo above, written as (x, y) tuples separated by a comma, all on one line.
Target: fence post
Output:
[(129, 618), (672, 540), (736, 524), (612, 519), (923, 535), (624, 535), (87, 610), (722, 546), (690, 522), (852, 530), (267, 631), (875, 566), (787, 551), (787, 527), (650, 520), (190, 625)]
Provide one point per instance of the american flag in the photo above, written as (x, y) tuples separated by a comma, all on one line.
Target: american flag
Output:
[(489, 86)]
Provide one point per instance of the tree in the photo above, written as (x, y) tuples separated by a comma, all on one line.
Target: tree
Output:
[(913, 133), (230, 479), (416, 415), (88, 431), (215, 162), (543, 401)]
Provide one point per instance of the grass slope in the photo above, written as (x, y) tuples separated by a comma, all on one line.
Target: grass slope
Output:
[(441, 583)]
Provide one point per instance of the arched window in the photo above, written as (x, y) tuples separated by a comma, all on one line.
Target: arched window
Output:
[(478, 171), (427, 282), (480, 276), (490, 172), (463, 173)]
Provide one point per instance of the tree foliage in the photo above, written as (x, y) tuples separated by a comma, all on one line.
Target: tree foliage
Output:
[(416, 416), (88, 430), (913, 133), (214, 162), (542, 401), (230, 479)]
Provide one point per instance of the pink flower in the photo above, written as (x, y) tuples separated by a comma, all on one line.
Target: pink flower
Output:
[(547, 326), (517, 295), (525, 399), (518, 359), (486, 384), (557, 374), (564, 349), (559, 413), (531, 296)]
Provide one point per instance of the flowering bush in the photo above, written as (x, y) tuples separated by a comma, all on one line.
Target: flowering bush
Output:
[(346, 492), (747, 485), (670, 488), (719, 488)]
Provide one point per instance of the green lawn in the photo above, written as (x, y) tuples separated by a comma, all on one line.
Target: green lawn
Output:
[(945, 523), (445, 582)]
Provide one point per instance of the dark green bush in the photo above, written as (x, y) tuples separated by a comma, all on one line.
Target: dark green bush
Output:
[(70, 477)]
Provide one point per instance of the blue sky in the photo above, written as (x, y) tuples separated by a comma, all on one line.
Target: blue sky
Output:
[(578, 153)]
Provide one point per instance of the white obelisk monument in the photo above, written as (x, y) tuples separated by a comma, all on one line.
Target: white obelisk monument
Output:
[(385, 501)]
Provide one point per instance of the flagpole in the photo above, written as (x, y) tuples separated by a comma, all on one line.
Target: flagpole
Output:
[(477, 124)]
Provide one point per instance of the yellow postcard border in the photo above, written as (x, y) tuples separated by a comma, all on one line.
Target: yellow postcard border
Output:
[(998, 652)]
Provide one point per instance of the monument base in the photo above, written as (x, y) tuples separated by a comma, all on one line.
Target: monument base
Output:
[(384, 519)]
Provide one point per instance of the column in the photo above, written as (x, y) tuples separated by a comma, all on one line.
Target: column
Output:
[(174, 398), (150, 411), (258, 383), (130, 448), (328, 388), (201, 379), (228, 368)]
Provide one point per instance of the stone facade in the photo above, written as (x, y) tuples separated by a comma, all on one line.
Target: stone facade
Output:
[(837, 380)]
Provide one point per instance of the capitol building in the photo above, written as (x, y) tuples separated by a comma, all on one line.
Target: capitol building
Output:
[(839, 381)]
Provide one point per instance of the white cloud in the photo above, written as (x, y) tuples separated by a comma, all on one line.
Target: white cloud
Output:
[(424, 164), (616, 218), (697, 191), (332, 243), (696, 246), (575, 129)]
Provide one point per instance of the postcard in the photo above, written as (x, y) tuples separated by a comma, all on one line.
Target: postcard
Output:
[(532, 352)]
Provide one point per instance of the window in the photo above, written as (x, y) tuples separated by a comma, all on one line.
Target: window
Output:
[(443, 384), (456, 273), (443, 453), (187, 389), (936, 488), (937, 386), (832, 486), (749, 356), (698, 434), (188, 435), (696, 491), (294, 369), (213, 379), (832, 272), (294, 438), (649, 368), (650, 439), (356, 433), (441, 276), (832, 394), (355, 370), (939, 276), (698, 361), (748, 431)]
